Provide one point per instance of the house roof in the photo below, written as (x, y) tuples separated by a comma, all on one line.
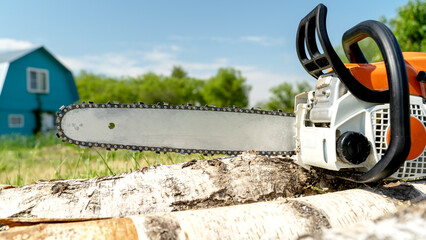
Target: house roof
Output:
[(7, 57), (14, 55), (4, 66)]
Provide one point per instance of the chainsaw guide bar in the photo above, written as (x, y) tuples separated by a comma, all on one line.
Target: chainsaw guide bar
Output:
[(177, 128)]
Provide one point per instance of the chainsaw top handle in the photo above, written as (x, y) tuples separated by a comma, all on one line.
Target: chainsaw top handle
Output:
[(397, 95), (314, 24), (400, 141)]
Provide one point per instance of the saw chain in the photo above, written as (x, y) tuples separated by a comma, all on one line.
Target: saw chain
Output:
[(65, 109)]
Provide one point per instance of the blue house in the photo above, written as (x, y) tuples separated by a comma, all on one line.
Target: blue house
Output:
[(33, 85)]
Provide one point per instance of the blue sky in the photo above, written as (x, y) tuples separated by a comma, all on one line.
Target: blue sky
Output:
[(133, 37)]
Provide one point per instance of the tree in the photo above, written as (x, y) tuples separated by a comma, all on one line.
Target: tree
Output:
[(173, 90), (149, 88), (409, 26), (227, 88), (368, 47), (283, 96), (179, 72), (100, 88)]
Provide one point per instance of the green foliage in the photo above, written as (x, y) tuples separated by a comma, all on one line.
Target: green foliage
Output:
[(17, 141), (283, 96), (409, 26), (227, 88), (179, 72), (148, 88), (368, 47), (341, 54), (154, 88), (99, 88), (371, 50)]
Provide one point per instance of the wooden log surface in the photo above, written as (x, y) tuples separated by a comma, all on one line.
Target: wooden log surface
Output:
[(164, 188), (408, 223), (288, 218), (244, 197)]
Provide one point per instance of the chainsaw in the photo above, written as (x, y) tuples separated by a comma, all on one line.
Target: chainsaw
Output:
[(363, 121)]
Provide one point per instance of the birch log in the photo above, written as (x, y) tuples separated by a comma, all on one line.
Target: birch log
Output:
[(408, 223), (191, 185), (288, 218)]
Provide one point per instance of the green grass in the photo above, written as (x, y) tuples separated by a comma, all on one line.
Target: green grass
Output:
[(25, 159), (16, 141)]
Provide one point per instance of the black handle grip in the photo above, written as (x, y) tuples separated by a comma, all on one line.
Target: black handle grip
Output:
[(400, 141), (315, 22)]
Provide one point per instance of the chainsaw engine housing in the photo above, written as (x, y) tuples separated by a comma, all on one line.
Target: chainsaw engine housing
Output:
[(328, 112), (364, 120)]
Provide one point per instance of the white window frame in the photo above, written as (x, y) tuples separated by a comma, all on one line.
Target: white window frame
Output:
[(37, 70), (16, 125)]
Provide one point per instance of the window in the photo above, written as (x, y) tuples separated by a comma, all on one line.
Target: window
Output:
[(37, 80), (16, 121)]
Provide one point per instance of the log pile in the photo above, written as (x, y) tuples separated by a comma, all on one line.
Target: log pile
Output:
[(247, 197)]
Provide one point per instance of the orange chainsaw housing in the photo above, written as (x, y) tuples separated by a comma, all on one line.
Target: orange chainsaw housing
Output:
[(373, 75)]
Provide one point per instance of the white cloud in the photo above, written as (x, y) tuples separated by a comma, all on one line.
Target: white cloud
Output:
[(175, 48), (220, 39), (109, 64), (157, 60), (8, 44), (158, 56), (263, 40), (179, 38), (262, 80), (214, 65)]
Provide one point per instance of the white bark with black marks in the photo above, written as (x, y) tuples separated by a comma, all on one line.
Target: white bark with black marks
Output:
[(289, 218), (275, 193), (163, 188), (407, 223)]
